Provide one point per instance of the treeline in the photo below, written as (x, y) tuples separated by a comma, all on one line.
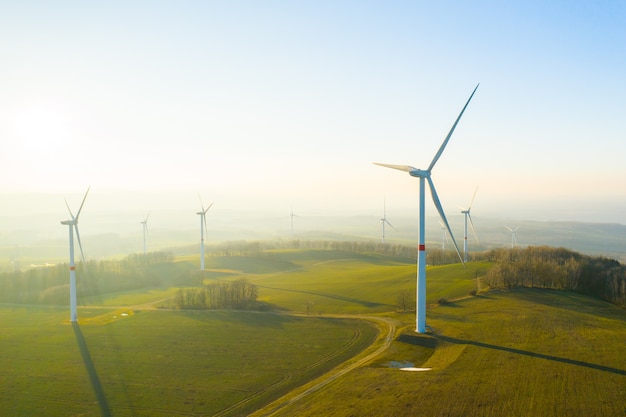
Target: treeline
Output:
[(256, 248), (237, 295), (50, 285), (557, 268)]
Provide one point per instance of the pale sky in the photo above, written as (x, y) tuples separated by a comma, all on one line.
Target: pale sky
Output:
[(273, 104)]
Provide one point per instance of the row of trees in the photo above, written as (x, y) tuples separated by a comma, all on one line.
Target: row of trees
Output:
[(237, 295), (557, 268), (50, 285), (259, 248)]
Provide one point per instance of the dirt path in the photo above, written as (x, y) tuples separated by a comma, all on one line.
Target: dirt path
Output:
[(315, 385)]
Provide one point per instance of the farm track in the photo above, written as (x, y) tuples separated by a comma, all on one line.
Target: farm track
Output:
[(336, 373), (318, 383)]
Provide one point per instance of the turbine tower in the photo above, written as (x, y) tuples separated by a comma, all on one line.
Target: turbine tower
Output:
[(425, 175), (203, 228), (73, 224), (145, 231), (513, 239), (384, 220), (467, 216)]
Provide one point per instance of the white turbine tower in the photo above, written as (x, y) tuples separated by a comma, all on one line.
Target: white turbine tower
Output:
[(145, 231), (513, 238), (384, 220), (73, 224), (203, 228), (425, 175), (467, 215)]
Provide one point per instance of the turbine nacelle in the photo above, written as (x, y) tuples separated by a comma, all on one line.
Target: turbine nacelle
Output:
[(419, 173)]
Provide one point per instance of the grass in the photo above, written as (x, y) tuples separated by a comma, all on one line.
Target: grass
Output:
[(163, 363), (519, 353)]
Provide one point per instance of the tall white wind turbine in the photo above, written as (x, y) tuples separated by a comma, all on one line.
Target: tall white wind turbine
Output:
[(467, 215), (425, 175), (384, 220), (203, 229), (73, 225), (144, 223), (513, 238)]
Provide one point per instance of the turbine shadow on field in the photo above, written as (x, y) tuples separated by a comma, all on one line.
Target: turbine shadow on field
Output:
[(369, 304), (532, 354), (91, 371)]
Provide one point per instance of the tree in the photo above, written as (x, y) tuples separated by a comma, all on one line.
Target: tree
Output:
[(404, 300)]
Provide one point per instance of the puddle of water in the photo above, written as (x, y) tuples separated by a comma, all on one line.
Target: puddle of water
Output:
[(399, 364), (406, 366)]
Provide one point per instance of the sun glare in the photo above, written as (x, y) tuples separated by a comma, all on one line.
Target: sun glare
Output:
[(39, 129)]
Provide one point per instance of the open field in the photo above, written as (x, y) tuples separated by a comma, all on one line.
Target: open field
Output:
[(520, 353), (344, 282), (163, 363)]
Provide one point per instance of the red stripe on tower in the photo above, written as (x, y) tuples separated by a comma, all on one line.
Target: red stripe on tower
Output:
[(422, 248), (72, 268)]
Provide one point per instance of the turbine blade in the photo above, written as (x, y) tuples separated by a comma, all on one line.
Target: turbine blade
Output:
[(509, 229), (469, 216), (80, 245), (83, 203), (405, 168), (201, 205), (472, 202), (445, 142), (207, 209), (69, 209), (433, 193), (387, 221)]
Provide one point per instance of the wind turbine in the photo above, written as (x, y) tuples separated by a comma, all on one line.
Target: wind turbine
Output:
[(384, 220), (292, 216), (467, 216), (513, 239), (73, 224), (425, 175), (444, 237), (203, 228), (145, 231)]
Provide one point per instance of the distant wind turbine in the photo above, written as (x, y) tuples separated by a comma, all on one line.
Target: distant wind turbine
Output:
[(292, 216), (145, 231), (73, 225), (467, 215), (444, 237), (513, 238), (203, 229), (425, 175), (384, 220)]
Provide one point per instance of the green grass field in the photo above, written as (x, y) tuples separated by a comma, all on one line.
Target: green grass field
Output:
[(517, 353), (520, 353), (163, 363), (342, 282)]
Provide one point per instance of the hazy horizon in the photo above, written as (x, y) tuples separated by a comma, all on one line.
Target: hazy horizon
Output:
[(261, 107)]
